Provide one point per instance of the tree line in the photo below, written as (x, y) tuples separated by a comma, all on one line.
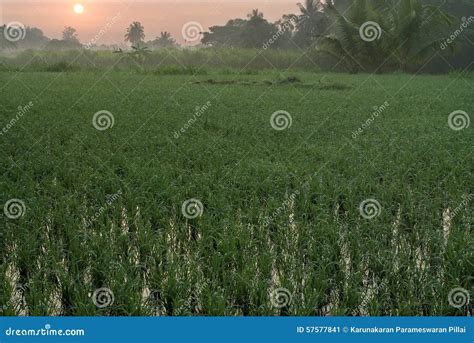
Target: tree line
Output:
[(401, 33)]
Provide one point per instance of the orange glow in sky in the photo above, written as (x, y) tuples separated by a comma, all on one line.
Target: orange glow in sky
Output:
[(89, 17)]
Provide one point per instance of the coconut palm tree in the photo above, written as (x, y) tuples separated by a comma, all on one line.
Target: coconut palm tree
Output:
[(401, 34), (311, 23), (135, 33), (255, 14), (165, 40)]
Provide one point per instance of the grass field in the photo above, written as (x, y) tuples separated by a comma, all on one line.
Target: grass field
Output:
[(280, 208)]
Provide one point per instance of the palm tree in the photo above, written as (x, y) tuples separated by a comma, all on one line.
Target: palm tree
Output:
[(165, 40), (311, 23), (255, 15), (135, 33), (408, 33)]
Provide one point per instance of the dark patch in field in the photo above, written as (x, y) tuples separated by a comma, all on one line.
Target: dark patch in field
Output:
[(293, 80)]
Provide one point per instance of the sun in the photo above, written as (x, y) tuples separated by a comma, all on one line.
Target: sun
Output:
[(78, 8)]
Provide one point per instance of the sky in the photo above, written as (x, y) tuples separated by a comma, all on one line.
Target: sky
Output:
[(107, 20)]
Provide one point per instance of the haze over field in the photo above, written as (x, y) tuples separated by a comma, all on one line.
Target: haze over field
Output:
[(155, 15)]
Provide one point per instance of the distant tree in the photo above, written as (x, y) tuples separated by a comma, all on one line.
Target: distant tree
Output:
[(229, 35), (34, 39), (240, 33), (257, 30), (165, 40), (70, 34), (4, 42), (135, 33)]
